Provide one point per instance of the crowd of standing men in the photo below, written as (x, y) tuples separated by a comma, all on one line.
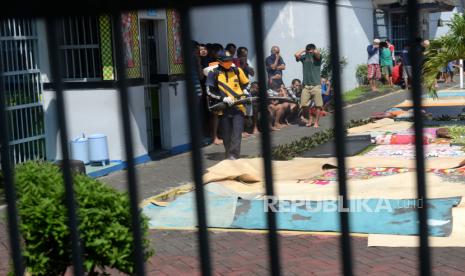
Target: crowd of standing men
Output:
[(223, 74), (385, 66), (223, 77)]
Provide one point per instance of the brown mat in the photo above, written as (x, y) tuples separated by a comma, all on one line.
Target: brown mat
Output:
[(290, 176), (382, 125), (433, 102)]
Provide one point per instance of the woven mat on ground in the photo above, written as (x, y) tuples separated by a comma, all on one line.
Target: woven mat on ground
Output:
[(383, 125), (455, 239), (299, 178), (294, 179), (408, 151), (433, 102), (400, 139)]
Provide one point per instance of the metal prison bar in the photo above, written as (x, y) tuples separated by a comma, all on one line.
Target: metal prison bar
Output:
[(55, 61), (416, 59), (339, 132), (87, 7)]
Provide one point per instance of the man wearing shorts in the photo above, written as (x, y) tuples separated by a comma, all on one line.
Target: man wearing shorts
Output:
[(406, 66), (311, 62), (374, 69)]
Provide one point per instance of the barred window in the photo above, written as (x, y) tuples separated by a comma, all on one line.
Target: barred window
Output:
[(399, 23), (80, 48)]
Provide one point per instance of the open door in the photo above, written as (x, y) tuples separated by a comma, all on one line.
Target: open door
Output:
[(149, 66)]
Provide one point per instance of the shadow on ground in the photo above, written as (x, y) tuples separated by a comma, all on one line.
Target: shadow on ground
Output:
[(218, 156)]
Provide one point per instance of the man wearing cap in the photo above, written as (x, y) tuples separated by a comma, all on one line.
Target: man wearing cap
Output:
[(228, 84), (374, 69)]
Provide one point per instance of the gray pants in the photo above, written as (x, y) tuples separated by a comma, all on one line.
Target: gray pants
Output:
[(232, 126)]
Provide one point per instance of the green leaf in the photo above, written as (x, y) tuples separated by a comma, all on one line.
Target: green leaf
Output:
[(103, 212)]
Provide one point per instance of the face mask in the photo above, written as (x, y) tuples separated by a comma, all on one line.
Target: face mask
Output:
[(226, 64)]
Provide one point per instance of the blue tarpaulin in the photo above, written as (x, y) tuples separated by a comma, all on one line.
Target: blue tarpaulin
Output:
[(372, 216), (181, 212)]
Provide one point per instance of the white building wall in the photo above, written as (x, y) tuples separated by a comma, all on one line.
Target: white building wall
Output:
[(434, 30), (291, 26), (91, 111), (97, 111)]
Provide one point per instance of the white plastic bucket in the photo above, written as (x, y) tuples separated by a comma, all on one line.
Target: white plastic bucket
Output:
[(80, 149), (98, 149)]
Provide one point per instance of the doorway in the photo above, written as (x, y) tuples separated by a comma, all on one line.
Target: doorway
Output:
[(151, 85)]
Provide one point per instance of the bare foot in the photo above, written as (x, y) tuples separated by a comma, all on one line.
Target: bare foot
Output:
[(274, 129), (255, 131), (217, 141), (316, 125), (309, 123), (245, 135)]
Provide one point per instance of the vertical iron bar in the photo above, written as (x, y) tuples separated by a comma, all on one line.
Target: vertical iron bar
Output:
[(36, 120), (339, 137), (19, 48), (91, 41), (16, 54), (8, 175), (72, 42), (127, 131), (9, 27), (42, 148), (14, 26), (11, 114), (55, 63), (18, 131), (195, 135), (20, 113), (85, 42), (416, 62), (76, 21), (14, 57), (64, 52), (27, 151), (24, 54), (6, 61), (273, 242)]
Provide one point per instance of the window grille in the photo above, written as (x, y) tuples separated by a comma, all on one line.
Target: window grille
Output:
[(80, 48)]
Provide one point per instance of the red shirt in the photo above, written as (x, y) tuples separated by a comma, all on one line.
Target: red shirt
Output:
[(396, 74), (392, 48)]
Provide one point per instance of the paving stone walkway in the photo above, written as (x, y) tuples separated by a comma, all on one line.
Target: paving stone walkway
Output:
[(238, 253), (243, 253)]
